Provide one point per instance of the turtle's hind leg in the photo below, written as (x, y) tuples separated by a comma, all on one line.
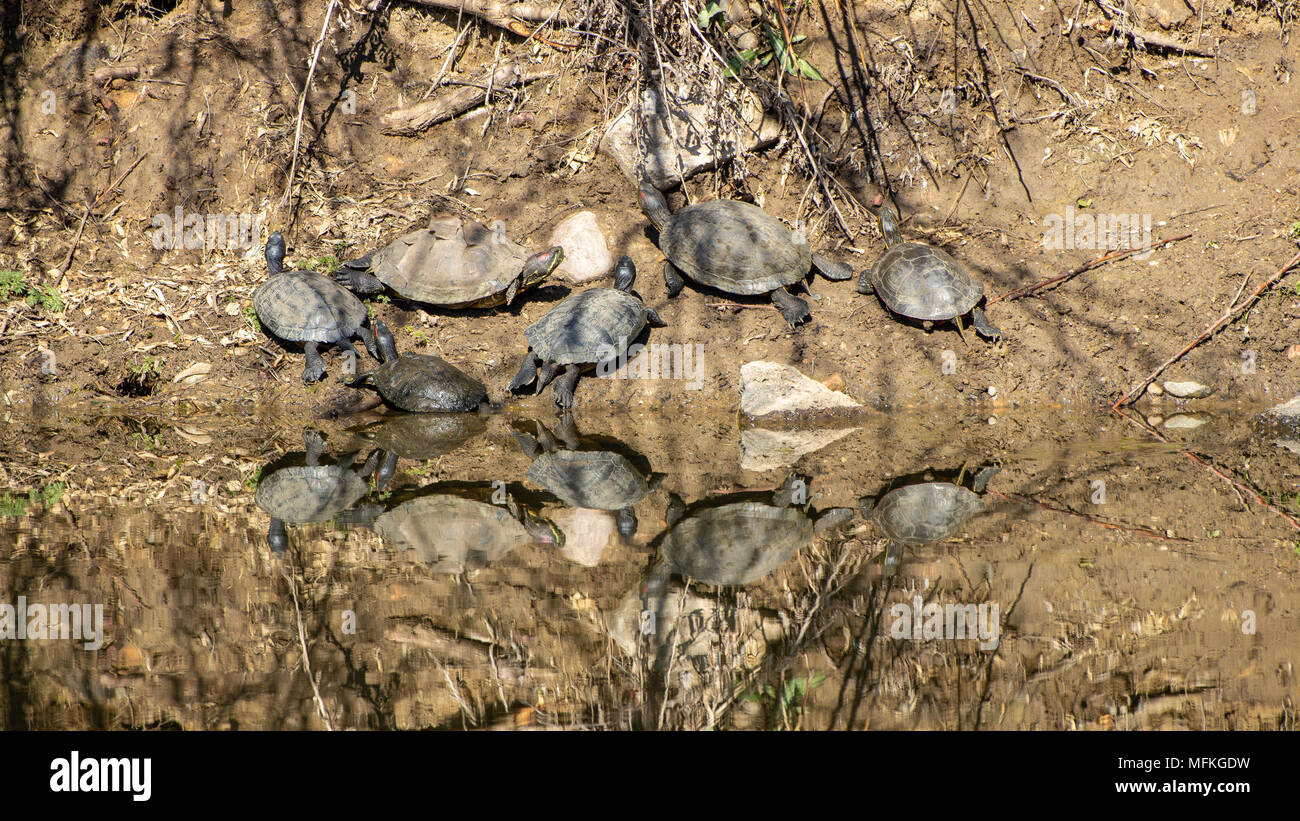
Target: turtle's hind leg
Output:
[(527, 372), (794, 309), (564, 386), (983, 327)]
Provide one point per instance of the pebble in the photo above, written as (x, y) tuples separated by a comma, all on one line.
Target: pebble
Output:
[(1188, 390), (1293, 352), (1155, 390)]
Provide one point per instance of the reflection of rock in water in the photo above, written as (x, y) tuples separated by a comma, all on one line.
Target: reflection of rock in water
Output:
[(296, 488), (762, 449), (676, 621), (452, 533), (587, 533)]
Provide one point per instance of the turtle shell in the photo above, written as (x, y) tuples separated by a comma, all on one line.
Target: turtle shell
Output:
[(451, 264), (603, 480), (309, 493), (927, 512), (735, 247), (588, 326), (426, 384), (452, 533), (921, 282), (737, 543), (427, 436), (303, 306)]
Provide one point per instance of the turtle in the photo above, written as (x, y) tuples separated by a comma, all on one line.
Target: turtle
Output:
[(307, 307), (420, 436), (924, 512), (738, 248), (297, 488), (590, 327), (454, 526), (451, 264), (737, 539), (420, 383), (598, 478), (924, 283)]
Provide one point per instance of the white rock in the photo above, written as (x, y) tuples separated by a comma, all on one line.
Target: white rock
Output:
[(586, 255), (1188, 390), (679, 141), (1184, 421), (768, 388)]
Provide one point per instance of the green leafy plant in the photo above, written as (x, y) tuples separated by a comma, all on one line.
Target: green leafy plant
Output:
[(327, 264), (14, 285), (773, 45), (787, 704), (420, 335), (250, 316), (254, 479), (15, 507)]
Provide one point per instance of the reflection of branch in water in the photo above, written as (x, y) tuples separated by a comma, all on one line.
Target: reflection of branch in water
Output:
[(1238, 486), (1016, 497)]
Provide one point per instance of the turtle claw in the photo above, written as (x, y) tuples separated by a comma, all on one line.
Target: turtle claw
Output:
[(527, 372), (673, 280), (564, 387), (315, 369)]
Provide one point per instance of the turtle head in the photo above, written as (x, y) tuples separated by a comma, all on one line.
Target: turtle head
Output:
[(889, 227), (276, 537), (624, 273), (542, 529), (540, 266), (275, 253), (654, 205), (383, 339)]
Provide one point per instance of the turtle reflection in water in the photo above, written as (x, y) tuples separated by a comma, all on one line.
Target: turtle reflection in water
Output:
[(588, 472), (922, 511), (454, 526), (296, 488), (738, 539), (419, 436), (726, 541)]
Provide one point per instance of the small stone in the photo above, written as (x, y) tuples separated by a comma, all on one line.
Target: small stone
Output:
[(834, 382), (1155, 420), (586, 255), (993, 420), (993, 390), (1188, 390), (1155, 390), (1293, 352)]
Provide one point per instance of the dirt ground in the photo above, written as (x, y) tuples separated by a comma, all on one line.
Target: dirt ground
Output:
[(153, 376), (210, 123)]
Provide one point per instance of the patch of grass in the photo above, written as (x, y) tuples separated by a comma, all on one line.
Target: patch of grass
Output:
[(13, 285), (254, 479), (785, 708), (15, 507), (327, 264), (420, 336), (250, 317)]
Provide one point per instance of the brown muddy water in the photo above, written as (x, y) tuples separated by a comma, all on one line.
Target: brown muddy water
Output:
[(1053, 570)]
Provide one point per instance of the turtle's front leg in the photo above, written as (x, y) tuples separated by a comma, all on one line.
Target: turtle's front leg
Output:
[(315, 369), (564, 387), (673, 279), (794, 309), (527, 372), (358, 281)]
